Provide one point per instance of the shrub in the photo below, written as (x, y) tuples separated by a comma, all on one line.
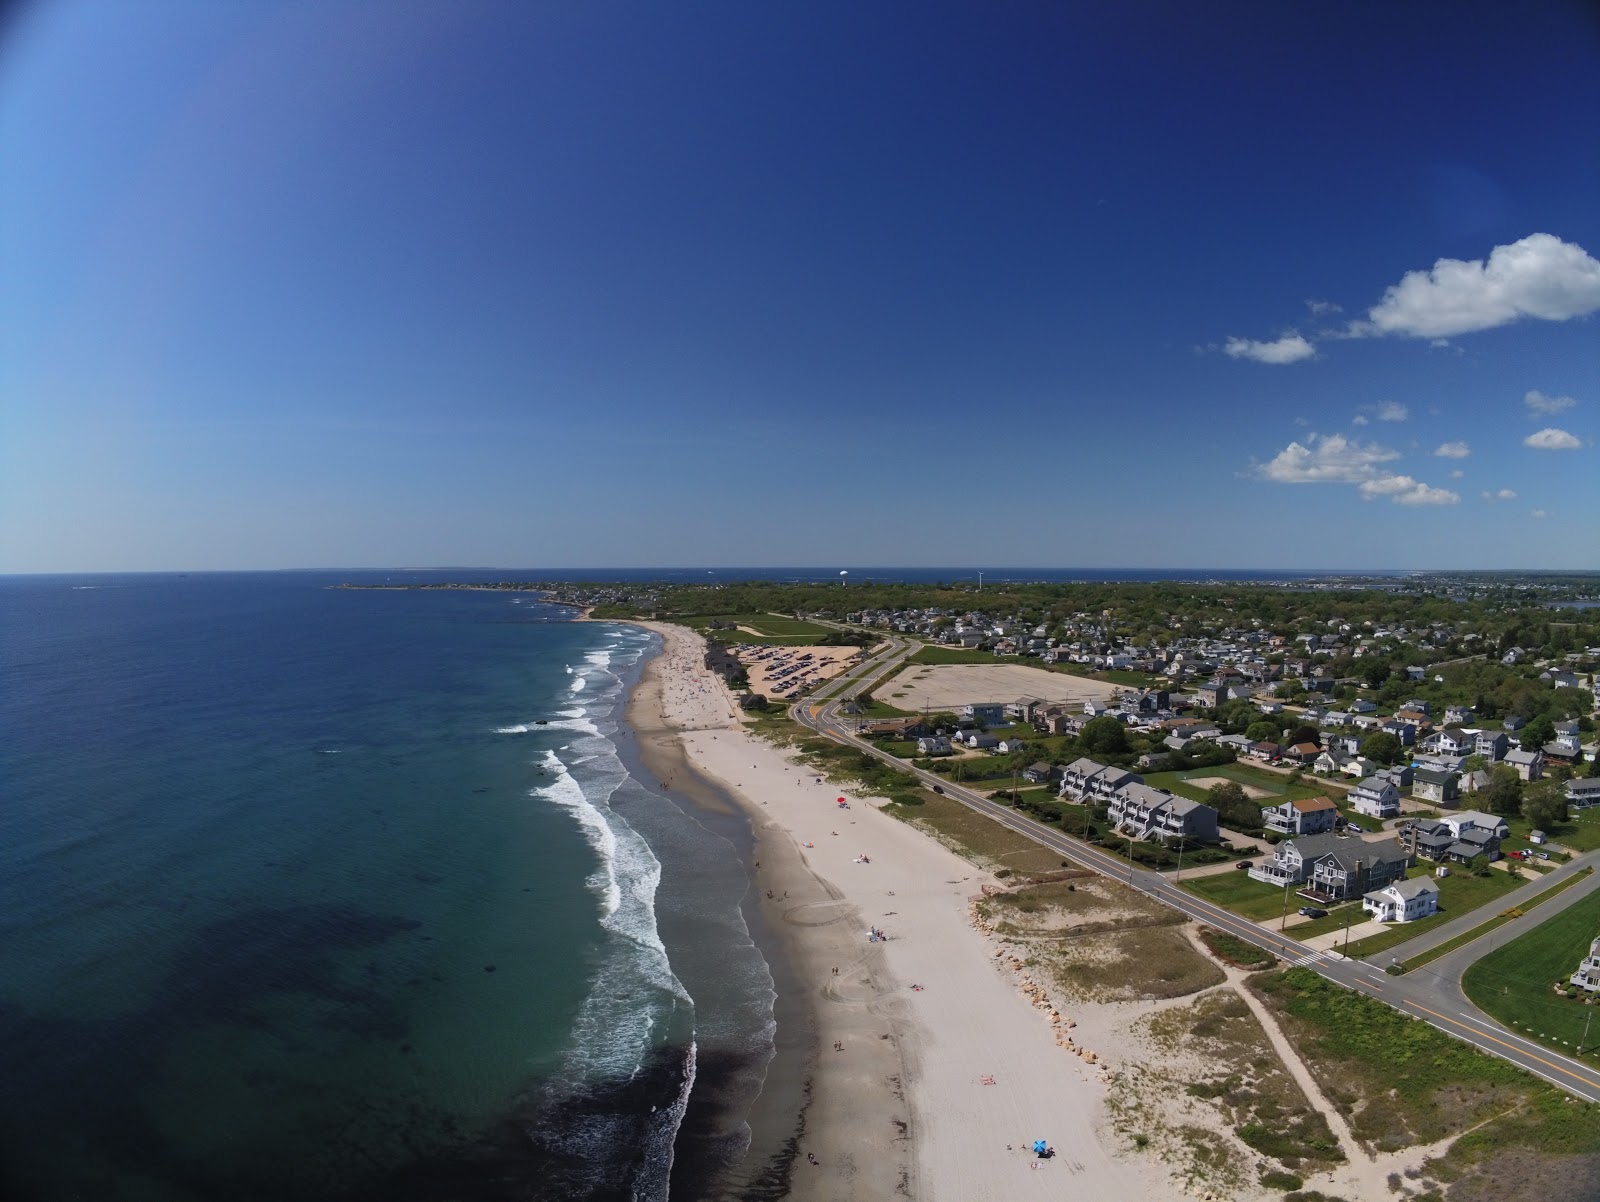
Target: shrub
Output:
[(1280, 1180)]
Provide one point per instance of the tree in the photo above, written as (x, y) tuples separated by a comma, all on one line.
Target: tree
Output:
[(1304, 734), (1376, 671), (1104, 736), (1234, 808), (1262, 732), (1504, 794), (1537, 733), (1594, 765), (1382, 746), (1544, 804)]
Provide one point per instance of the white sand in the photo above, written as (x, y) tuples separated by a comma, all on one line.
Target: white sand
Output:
[(950, 686), (968, 1022)]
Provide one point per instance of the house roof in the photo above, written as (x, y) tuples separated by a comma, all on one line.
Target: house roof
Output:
[(1313, 805), (1368, 853), (1521, 757), (1304, 749), (1415, 887)]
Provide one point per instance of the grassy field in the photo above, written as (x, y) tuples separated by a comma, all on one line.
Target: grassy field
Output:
[(1459, 893), (960, 655), (1505, 916), (1274, 783), (1401, 1083), (1236, 950), (1513, 982), (769, 628), (1581, 832)]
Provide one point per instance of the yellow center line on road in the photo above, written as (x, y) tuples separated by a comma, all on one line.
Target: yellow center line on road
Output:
[(1589, 1081)]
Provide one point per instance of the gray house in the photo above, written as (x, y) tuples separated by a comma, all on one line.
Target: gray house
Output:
[(1140, 812), (1311, 816), (1331, 869), (1436, 786)]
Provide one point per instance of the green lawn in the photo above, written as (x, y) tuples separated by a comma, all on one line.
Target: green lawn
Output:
[(1513, 982), (960, 655), (1235, 891), (771, 629), (1459, 893), (1505, 916), (1274, 783), (1581, 832)]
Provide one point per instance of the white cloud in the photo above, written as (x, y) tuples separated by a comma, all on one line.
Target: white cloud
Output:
[(1551, 439), (1403, 490), (1456, 473), (1325, 460), (1322, 308), (1505, 494), (1393, 411), (1453, 450), (1539, 276), (1537, 402), (1300, 421), (1291, 348), (1361, 419), (1538, 513)]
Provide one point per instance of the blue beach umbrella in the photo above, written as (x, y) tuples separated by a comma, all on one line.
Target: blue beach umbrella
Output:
[(1039, 1146)]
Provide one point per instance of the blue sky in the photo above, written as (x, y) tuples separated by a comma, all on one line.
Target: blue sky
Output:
[(905, 283)]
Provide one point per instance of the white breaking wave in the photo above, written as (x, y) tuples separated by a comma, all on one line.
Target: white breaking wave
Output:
[(577, 684)]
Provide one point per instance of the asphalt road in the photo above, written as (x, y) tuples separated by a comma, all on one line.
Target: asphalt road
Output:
[(1432, 993)]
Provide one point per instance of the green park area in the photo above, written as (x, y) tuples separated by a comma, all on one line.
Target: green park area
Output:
[(1515, 982), (1273, 787), (766, 628), (1265, 904)]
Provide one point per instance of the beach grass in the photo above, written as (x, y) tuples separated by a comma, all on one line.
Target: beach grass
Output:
[(1401, 1083), (977, 838), (1246, 1080)]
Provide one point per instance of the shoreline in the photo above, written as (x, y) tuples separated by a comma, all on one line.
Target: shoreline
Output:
[(926, 1072)]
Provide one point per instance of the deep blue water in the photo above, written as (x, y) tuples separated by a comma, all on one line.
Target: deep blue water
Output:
[(858, 574), (298, 899)]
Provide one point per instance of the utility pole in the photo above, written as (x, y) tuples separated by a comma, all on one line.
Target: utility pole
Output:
[(1181, 842), (1586, 1023), (1348, 914)]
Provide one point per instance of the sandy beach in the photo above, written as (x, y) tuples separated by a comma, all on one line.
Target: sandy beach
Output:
[(929, 1073)]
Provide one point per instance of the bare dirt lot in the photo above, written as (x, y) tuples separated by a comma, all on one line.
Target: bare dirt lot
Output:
[(1253, 792), (949, 686)]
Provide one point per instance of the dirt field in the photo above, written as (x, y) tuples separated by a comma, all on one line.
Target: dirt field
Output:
[(949, 686), (1253, 792)]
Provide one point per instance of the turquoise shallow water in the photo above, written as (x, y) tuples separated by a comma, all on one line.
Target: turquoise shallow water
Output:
[(324, 893)]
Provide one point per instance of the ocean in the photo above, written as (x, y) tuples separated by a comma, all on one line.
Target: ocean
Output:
[(344, 894)]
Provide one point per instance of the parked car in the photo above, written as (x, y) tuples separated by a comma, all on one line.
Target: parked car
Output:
[(939, 789), (1243, 864), (1544, 855), (1313, 912), (1353, 828)]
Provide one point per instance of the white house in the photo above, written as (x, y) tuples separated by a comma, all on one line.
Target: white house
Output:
[(1403, 901)]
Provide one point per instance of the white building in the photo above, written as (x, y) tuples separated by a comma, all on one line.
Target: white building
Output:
[(1403, 901)]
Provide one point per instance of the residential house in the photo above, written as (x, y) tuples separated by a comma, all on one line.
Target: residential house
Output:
[(976, 740), (1406, 732), (984, 714), (1440, 788), (1354, 869), (1403, 901), (1350, 744), (1402, 775), (1331, 761), (1303, 753), (1141, 812), (1266, 752), (1039, 773), (1459, 838), (1089, 780), (934, 745), (1011, 745), (897, 728), (1360, 768), (1376, 798), (1457, 715), (1529, 765), (1332, 868), (1583, 792), (1472, 782), (1451, 740), (1588, 975), (1491, 744), (1311, 816)]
